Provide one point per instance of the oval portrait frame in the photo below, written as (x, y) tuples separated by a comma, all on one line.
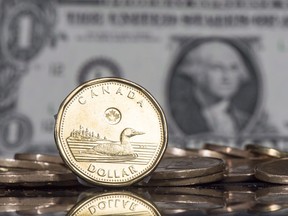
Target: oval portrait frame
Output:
[(249, 59)]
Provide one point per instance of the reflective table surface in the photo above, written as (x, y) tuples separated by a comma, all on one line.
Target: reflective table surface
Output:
[(253, 198)]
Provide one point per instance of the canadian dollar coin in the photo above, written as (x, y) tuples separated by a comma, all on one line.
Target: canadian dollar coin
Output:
[(111, 131)]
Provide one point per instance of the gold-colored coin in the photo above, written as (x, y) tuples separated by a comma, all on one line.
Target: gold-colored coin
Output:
[(179, 152), (18, 177), (185, 181), (239, 176), (211, 154), (227, 150), (263, 150), (275, 171), (241, 170), (114, 203), (39, 158), (31, 165), (187, 167), (111, 132)]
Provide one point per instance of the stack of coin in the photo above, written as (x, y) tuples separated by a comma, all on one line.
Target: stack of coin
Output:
[(35, 170), (46, 170), (184, 171), (240, 163)]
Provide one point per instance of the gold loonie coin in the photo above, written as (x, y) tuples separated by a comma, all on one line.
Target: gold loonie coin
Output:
[(114, 203), (39, 158), (241, 170), (174, 151), (187, 167), (262, 150), (275, 171), (111, 131), (31, 165), (227, 150), (211, 154), (20, 177), (185, 181)]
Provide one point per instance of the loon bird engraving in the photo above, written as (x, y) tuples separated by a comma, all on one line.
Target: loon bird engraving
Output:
[(112, 149)]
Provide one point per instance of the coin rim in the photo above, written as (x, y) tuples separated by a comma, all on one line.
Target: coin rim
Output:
[(262, 175), (167, 173), (215, 177), (39, 158), (267, 151), (87, 84), (227, 150)]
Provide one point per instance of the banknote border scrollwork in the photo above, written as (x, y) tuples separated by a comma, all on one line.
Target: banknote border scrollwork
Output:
[(102, 61)]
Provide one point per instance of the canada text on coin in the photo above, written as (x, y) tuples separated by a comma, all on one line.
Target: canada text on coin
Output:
[(111, 131)]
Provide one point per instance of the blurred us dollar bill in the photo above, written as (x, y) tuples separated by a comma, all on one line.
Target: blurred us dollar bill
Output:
[(217, 67)]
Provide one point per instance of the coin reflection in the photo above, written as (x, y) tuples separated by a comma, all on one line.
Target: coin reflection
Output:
[(114, 203)]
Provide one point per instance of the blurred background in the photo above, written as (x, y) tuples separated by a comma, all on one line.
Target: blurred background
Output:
[(217, 67)]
